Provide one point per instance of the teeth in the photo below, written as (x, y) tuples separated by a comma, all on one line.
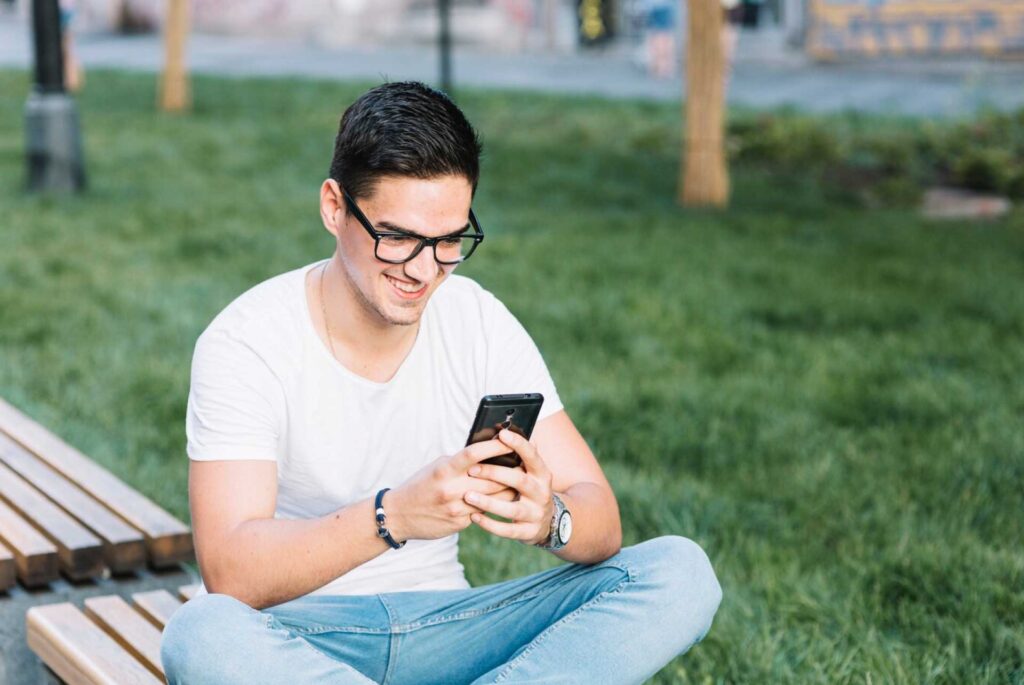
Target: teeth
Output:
[(405, 287)]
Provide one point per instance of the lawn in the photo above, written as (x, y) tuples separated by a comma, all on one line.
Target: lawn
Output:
[(827, 398)]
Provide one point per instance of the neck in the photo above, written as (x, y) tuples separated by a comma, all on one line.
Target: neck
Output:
[(354, 325)]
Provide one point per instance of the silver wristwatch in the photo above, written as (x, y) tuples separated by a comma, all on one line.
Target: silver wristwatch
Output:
[(561, 527)]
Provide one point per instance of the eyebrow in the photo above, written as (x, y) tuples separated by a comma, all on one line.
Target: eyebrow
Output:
[(398, 229)]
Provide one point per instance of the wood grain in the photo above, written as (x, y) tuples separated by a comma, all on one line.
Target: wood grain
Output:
[(128, 628), (8, 568), (187, 592), (35, 557), (78, 651), (168, 540), (157, 606), (80, 553), (124, 548)]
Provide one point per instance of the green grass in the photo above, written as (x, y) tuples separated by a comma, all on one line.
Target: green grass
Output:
[(828, 399)]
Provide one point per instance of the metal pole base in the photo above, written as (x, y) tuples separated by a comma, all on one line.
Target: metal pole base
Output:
[(54, 143)]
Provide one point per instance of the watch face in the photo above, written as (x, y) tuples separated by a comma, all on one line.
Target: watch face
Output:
[(564, 527)]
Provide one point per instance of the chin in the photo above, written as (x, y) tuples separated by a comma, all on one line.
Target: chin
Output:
[(401, 315), (403, 319), (397, 312)]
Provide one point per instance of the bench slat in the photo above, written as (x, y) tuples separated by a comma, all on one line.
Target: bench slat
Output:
[(157, 606), (187, 592), (34, 555), (127, 626), (169, 540), (124, 547), (8, 569), (78, 651), (79, 551)]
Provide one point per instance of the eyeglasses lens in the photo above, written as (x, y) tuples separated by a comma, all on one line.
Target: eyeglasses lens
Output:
[(401, 248)]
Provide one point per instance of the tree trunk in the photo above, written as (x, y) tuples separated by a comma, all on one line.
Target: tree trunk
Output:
[(174, 87), (705, 180)]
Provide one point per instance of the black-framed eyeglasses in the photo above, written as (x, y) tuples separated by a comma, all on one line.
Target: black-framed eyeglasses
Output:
[(395, 247)]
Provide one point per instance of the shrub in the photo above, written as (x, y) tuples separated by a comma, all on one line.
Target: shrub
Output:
[(882, 160)]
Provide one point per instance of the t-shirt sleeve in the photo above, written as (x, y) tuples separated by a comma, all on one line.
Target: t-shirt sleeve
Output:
[(235, 402), (514, 364)]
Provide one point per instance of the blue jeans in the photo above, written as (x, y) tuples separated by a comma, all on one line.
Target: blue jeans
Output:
[(618, 621)]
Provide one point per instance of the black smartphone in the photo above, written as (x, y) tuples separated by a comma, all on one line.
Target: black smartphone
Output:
[(518, 413)]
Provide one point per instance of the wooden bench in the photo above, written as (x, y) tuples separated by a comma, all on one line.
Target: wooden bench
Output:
[(69, 532), (110, 642)]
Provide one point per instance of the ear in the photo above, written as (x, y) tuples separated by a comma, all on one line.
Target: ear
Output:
[(330, 206)]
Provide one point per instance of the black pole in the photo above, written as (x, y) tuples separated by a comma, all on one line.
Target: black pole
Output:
[(48, 51), (444, 9), (53, 143)]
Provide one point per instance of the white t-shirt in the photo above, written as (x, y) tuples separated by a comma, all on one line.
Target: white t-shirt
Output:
[(265, 386)]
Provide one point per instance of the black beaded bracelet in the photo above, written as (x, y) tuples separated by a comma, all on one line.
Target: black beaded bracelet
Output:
[(382, 528)]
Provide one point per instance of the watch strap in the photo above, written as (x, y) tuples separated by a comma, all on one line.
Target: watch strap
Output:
[(553, 541)]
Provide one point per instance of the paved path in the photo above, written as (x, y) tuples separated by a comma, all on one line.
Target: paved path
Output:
[(765, 75)]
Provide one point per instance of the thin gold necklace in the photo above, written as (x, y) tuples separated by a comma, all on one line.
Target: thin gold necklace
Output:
[(323, 308)]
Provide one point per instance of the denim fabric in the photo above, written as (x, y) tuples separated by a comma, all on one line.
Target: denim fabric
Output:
[(617, 622)]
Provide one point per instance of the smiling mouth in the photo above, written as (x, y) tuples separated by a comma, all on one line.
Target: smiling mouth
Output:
[(405, 289)]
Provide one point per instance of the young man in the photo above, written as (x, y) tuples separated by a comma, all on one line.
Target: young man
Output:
[(329, 480)]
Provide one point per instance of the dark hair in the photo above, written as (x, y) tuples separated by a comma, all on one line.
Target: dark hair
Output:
[(403, 129)]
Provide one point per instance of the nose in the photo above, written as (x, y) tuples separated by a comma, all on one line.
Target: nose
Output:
[(423, 267)]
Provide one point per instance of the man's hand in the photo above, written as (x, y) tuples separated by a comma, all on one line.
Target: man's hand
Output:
[(531, 514), (431, 504)]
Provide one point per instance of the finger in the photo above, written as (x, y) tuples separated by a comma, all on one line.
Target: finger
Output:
[(461, 508), (525, 449), (527, 485), (494, 489), (488, 487), (514, 478), (506, 494), (512, 531), (480, 484), (511, 510), (477, 452)]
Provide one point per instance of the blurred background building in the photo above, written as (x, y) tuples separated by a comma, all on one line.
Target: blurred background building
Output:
[(788, 33), (822, 29), (838, 28)]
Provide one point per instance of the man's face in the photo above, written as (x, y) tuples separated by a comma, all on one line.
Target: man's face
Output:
[(396, 294)]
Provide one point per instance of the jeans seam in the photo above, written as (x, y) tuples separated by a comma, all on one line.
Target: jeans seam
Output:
[(447, 618), (335, 659), (300, 635), (628, 568), (416, 625), (631, 576), (392, 641), (320, 628)]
